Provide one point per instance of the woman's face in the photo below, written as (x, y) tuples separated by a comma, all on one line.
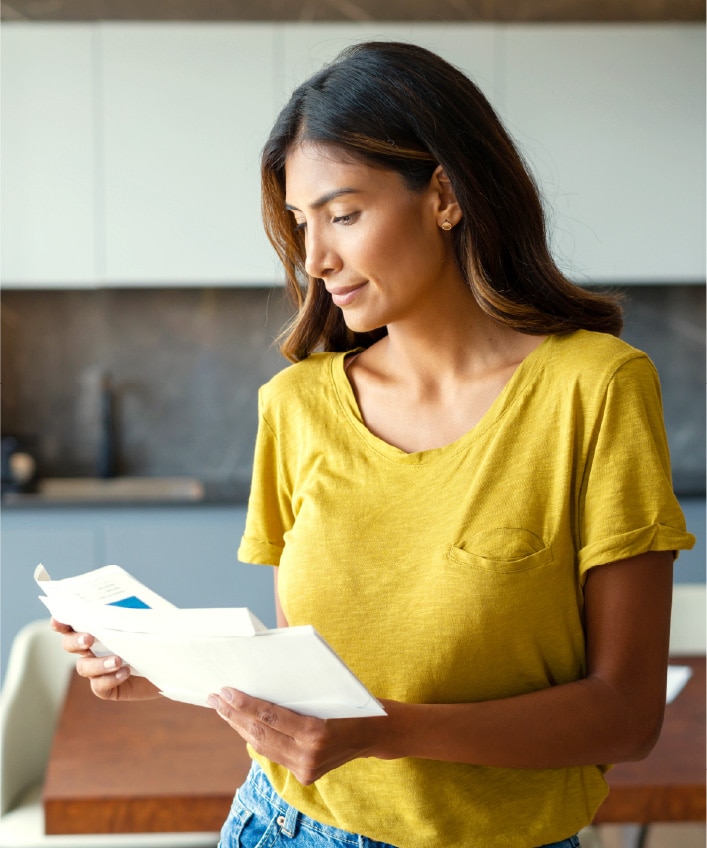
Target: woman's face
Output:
[(376, 244)]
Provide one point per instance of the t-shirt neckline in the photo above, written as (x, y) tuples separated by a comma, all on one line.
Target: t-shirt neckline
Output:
[(519, 383)]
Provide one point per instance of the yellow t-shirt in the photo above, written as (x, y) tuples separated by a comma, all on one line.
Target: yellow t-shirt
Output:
[(455, 574)]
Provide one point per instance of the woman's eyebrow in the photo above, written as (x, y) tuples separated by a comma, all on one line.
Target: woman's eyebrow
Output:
[(324, 199)]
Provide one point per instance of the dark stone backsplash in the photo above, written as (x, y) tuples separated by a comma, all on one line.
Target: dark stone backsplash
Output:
[(186, 365), (668, 322)]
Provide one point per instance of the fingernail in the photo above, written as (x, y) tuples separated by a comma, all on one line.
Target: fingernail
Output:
[(226, 694), (122, 674), (213, 701), (83, 640), (111, 662)]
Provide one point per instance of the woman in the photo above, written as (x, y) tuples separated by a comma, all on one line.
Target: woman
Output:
[(464, 482)]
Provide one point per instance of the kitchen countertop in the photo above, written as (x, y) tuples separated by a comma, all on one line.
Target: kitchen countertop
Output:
[(186, 492)]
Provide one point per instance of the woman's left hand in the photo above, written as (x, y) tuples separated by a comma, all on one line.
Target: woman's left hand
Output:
[(309, 747)]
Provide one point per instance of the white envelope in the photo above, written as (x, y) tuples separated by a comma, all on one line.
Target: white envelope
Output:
[(190, 653)]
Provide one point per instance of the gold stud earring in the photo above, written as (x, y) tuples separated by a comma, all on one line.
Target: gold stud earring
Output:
[(446, 226)]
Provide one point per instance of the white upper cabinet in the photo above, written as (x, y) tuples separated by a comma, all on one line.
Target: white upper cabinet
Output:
[(48, 149), (612, 120), (185, 111), (130, 151)]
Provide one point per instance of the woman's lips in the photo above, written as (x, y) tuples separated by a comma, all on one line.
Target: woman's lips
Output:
[(344, 296)]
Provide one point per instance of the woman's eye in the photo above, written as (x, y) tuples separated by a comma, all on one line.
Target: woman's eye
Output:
[(345, 219), (300, 226)]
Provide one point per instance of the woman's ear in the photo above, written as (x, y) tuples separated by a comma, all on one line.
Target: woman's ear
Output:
[(447, 205)]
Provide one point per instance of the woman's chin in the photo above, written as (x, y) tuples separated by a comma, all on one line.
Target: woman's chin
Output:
[(358, 325)]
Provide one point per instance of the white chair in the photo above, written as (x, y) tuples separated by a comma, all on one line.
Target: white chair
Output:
[(37, 675), (688, 624)]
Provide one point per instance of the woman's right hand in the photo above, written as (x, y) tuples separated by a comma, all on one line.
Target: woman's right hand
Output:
[(110, 678)]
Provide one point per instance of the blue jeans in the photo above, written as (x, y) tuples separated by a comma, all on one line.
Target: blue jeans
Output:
[(259, 818)]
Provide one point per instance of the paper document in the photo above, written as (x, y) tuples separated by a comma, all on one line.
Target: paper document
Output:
[(678, 675), (190, 653)]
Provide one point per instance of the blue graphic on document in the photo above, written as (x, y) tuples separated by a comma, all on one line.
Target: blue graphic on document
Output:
[(131, 602)]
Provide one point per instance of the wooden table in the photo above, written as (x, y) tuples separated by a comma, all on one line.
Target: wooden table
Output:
[(158, 765), (140, 767)]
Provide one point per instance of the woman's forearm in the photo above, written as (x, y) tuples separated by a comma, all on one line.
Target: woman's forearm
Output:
[(580, 723)]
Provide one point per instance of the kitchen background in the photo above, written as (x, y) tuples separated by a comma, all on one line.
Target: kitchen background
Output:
[(131, 244)]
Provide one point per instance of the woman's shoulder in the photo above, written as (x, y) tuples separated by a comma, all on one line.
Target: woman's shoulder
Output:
[(302, 379), (586, 353)]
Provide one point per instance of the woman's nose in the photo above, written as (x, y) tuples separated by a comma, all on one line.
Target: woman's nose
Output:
[(321, 260)]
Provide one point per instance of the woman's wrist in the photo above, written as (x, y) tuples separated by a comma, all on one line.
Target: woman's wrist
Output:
[(393, 731)]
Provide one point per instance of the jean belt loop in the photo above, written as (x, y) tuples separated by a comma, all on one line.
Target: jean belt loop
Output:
[(288, 828)]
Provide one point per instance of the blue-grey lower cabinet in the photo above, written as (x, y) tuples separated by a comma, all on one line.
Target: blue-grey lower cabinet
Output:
[(187, 554)]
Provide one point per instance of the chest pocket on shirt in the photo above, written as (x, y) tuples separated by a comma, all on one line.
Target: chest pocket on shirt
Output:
[(505, 550)]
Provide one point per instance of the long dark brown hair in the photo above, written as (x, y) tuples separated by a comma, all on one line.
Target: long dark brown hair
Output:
[(400, 107)]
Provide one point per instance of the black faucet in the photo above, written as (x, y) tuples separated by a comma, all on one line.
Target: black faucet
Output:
[(108, 447)]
